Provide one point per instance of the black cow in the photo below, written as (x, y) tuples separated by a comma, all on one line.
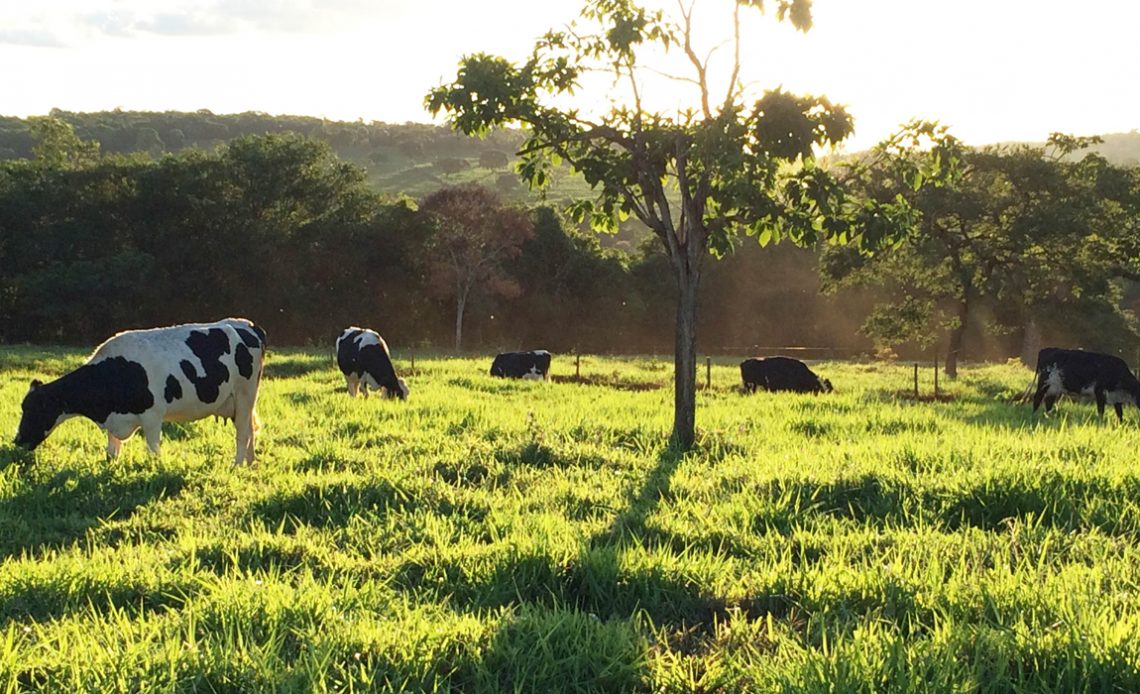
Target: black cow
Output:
[(363, 358), (533, 365), (781, 373), (1076, 372), (141, 378)]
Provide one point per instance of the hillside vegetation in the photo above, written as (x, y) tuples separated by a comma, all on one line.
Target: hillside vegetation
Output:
[(400, 159), (519, 536)]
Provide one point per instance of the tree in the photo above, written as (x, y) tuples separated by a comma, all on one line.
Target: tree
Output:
[(474, 233), (697, 179), (493, 159), (449, 166), (58, 146), (1026, 229)]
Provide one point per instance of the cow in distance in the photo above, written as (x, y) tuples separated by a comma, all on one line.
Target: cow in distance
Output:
[(364, 359), (534, 365), (1078, 373), (781, 374)]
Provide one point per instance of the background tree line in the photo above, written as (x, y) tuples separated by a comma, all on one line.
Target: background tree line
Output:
[(278, 227)]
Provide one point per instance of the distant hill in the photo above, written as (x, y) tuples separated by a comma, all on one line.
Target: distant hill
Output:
[(412, 158), (1122, 149), (401, 159)]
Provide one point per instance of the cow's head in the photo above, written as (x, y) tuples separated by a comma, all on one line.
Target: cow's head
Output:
[(825, 385), (41, 413), (401, 391)]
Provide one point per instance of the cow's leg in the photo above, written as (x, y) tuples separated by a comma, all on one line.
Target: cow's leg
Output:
[(1098, 393), (364, 387), (1119, 411), (353, 385), (1042, 388), (114, 445), (243, 424), (1050, 400), (152, 430)]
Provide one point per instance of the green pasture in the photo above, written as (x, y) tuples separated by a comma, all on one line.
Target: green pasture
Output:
[(491, 535)]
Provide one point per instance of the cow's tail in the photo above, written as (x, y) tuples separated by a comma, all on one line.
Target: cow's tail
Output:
[(261, 335), (1027, 394)]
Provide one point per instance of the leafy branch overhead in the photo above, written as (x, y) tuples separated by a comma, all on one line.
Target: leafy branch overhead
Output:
[(704, 174)]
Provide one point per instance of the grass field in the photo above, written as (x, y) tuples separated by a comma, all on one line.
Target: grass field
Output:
[(520, 536)]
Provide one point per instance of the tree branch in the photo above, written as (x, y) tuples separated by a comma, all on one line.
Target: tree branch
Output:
[(692, 55), (729, 97)]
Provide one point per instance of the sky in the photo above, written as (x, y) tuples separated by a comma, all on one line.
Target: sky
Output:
[(992, 70)]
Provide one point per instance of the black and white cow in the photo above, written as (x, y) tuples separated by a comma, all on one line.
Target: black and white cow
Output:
[(141, 378), (363, 358), (1076, 372), (533, 365), (781, 373)]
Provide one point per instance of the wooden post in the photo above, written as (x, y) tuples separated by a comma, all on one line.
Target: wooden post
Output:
[(413, 362), (708, 373), (916, 380), (577, 367), (936, 376)]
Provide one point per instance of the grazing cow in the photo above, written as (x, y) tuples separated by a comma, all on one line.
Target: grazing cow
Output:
[(363, 358), (1076, 372), (781, 373), (141, 378), (533, 365)]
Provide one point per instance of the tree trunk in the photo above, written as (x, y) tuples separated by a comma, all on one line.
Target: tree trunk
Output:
[(685, 361), (461, 305), (1030, 343), (956, 336)]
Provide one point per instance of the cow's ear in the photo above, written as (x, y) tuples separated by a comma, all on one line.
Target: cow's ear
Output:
[(36, 383)]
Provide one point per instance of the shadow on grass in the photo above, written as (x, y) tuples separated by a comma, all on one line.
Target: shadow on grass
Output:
[(61, 510), (45, 597), (536, 454), (614, 382), (599, 580), (333, 504), (1070, 504)]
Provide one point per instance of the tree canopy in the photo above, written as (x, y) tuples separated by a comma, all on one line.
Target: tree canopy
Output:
[(1025, 229)]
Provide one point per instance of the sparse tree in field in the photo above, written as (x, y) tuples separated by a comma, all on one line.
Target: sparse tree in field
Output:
[(699, 178), (493, 159), (473, 235), (449, 166)]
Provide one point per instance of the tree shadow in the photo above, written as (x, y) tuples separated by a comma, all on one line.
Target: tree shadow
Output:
[(629, 525), (60, 511)]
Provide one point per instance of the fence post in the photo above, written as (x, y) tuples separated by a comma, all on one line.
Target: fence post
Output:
[(916, 380), (935, 375), (708, 373), (413, 362), (577, 366)]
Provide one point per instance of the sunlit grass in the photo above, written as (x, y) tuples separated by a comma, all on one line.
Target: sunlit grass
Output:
[(518, 536)]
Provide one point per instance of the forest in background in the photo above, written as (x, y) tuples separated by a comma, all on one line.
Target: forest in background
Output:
[(308, 225)]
